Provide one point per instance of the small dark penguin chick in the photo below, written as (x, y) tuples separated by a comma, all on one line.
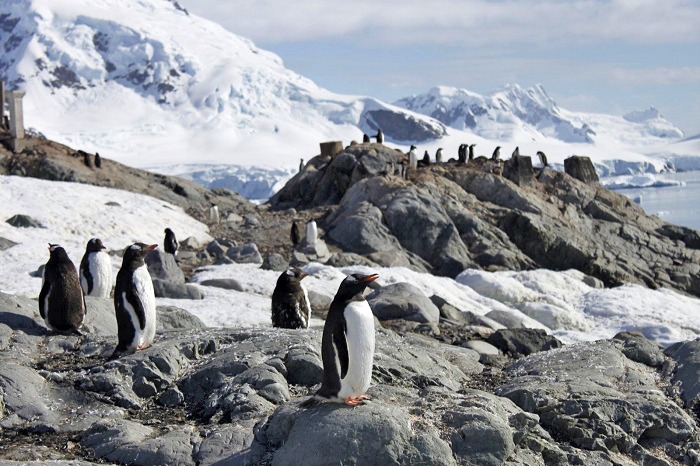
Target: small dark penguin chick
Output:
[(294, 234), (290, 303), (380, 136), (61, 300), (98, 160), (365, 138), (170, 242)]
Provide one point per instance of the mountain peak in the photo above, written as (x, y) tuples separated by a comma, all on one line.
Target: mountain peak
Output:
[(638, 116)]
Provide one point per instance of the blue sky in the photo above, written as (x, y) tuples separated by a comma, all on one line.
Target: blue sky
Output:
[(606, 56)]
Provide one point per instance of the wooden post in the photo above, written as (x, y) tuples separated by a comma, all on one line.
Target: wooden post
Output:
[(331, 148)]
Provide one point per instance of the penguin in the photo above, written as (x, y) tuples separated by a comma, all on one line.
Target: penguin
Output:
[(496, 153), (134, 301), (87, 160), (61, 300), (98, 160), (412, 158), (290, 303), (96, 270), (426, 158), (380, 136), (462, 153), (294, 234), (365, 138), (170, 242), (471, 152), (301, 165), (438, 156), (214, 214), (516, 152), (543, 158), (347, 345), (311, 233)]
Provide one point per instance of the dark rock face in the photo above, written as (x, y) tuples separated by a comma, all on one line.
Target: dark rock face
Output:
[(449, 217), (581, 168), (519, 170), (523, 341), (232, 396)]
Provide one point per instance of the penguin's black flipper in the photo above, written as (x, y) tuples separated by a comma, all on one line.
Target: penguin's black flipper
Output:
[(341, 346), (137, 305), (45, 289)]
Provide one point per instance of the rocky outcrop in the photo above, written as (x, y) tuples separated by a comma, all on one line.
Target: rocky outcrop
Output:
[(233, 396), (449, 217)]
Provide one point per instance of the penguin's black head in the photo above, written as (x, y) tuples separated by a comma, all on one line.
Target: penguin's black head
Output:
[(413, 147), (168, 231), (137, 252), (95, 245), (355, 284), (293, 275), (57, 252)]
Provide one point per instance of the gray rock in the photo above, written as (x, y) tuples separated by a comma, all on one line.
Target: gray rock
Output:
[(227, 445), (403, 301), (164, 289), (523, 341), (347, 259), (6, 244), (216, 249), (23, 221), (246, 254), (451, 313), (519, 170), (175, 318), (251, 220), (506, 319), (299, 259), (636, 347), (581, 168), (224, 261), (162, 266), (482, 347), (190, 244), (171, 397), (275, 262), (225, 283), (686, 354), (304, 366)]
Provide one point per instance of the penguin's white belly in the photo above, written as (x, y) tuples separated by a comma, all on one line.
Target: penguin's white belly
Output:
[(305, 308), (360, 339), (145, 293), (101, 271)]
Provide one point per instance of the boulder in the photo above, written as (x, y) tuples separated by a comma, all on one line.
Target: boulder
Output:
[(686, 355), (523, 341), (162, 266), (581, 168), (519, 170), (275, 262), (216, 249), (6, 244), (245, 254), (164, 289), (225, 283), (175, 318), (403, 301), (23, 221)]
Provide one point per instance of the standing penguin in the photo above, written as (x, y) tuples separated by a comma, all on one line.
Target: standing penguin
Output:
[(61, 300), (380, 136), (462, 153), (543, 158), (135, 301), (347, 346), (516, 152), (438, 156), (365, 138), (98, 160), (426, 158), (214, 214), (412, 158), (290, 303), (311, 233), (96, 270), (496, 153), (294, 234), (87, 160), (301, 165), (471, 152), (170, 242)]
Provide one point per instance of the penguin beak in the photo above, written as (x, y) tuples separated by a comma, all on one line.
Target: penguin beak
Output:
[(302, 275), (151, 247), (370, 278)]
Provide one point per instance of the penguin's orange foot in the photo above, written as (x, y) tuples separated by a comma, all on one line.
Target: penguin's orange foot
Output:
[(142, 347), (354, 401), (364, 397)]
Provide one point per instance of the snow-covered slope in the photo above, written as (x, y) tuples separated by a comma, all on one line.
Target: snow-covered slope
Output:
[(149, 85), (515, 114)]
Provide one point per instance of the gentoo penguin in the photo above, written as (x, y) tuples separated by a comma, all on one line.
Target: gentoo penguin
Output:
[(294, 234), (301, 165), (426, 158), (290, 303), (135, 301), (462, 153), (347, 346), (170, 242), (96, 270), (380, 136), (516, 152), (471, 152), (496, 153), (438, 156), (311, 232), (98, 160), (214, 214), (365, 138), (87, 160), (412, 158), (543, 158), (61, 301)]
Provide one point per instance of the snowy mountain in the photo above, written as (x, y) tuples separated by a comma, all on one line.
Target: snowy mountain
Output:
[(151, 86), (514, 113)]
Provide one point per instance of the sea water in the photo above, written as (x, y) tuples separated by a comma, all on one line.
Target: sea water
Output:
[(679, 205)]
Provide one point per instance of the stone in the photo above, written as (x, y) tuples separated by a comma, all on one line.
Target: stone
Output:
[(637, 348), (506, 318), (162, 266), (403, 301), (304, 366), (251, 220), (164, 289), (190, 243), (347, 259), (523, 341), (245, 254), (6, 244), (686, 354), (275, 262), (482, 347), (175, 318), (23, 221), (225, 283), (216, 249), (581, 168), (519, 170)]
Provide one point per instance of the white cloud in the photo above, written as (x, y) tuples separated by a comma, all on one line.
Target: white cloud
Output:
[(459, 22), (658, 76)]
